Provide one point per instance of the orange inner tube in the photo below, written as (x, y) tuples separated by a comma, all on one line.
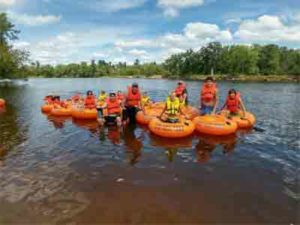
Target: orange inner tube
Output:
[(150, 113), (244, 123), (171, 130), (86, 114), (190, 111), (2, 102), (61, 111), (214, 125), (46, 108)]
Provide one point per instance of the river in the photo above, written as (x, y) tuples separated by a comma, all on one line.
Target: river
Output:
[(57, 171)]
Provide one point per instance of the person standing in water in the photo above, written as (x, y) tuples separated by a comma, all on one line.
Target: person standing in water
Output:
[(132, 103), (208, 97)]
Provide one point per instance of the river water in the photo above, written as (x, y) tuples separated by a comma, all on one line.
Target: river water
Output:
[(59, 171)]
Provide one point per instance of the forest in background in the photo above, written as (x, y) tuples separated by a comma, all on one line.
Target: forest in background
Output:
[(214, 58)]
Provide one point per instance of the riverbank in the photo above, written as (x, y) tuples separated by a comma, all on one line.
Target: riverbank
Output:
[(239, 78)]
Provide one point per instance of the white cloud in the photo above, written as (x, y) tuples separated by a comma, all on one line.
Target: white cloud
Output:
[(33, 20), (171, 7), (268, 29), (6, 3), (116, 5), (138, 53)]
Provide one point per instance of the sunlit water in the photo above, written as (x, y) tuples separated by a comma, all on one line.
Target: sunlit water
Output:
[(62, 171)]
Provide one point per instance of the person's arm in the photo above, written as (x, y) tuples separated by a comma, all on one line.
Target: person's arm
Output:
[(163, 112), (182, 113), (216, 103), (242, 106)]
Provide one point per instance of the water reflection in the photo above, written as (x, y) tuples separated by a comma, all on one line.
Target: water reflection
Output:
[(207, 144), (133, 144)]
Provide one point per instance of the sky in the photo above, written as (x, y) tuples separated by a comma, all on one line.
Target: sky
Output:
[(65, 31)]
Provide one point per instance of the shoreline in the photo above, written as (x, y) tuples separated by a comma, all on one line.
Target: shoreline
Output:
[(238, 78)]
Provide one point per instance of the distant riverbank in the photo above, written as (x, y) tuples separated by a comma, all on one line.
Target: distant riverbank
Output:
[(240, 78)]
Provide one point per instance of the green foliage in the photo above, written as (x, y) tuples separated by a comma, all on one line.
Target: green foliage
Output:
[(11, 60), (235, 60)]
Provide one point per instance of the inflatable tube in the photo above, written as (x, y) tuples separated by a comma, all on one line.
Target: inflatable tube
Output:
[(243, 123), (46, 108), (190, 111), (61, 112), (145, 118), (85, 114), (2, 102), (214, 125), (171, 130)]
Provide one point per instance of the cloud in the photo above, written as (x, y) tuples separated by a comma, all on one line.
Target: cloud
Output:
[(171, 7), (7, 3), (116, 5), (33, 20), (268, 29), (138, 53)]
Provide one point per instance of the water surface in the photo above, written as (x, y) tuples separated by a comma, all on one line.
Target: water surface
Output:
[(63, 171)]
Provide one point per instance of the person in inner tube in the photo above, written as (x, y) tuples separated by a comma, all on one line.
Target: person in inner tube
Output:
[(172, 110), (113, 113)]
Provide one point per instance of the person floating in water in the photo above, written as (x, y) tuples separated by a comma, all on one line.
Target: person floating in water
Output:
[(208, 97), (181, 92), (145, 101), (234, 104), (132, 103), (172, 109), (90, 100), (114, 111)]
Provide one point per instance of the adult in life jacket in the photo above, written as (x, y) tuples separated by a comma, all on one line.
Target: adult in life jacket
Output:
[(90, 100), (113, 113), (181, 91), (145, 101), (172, 109), (132, 103), (208, 97), (234, 104), (101, 102)]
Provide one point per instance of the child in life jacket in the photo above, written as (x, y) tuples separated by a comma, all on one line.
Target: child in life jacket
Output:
[(234, 104), (208, 97)]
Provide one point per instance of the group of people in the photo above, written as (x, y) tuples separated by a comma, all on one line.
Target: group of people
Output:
[(121, 108)]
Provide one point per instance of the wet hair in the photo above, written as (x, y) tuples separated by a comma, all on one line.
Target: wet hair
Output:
[(231, 91), (209, 79), (135, 85), (112, 94), (89, 92), (102, 91)]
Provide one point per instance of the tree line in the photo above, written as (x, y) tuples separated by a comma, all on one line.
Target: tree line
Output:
[(213, 58)]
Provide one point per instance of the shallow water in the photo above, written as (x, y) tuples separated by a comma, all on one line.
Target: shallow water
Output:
[(58, 171)]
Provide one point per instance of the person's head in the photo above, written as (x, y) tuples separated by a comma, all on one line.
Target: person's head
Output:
[(232, 93), (57, 98), (145, 93), (209, 81), (180, 83), (172, 96), (112, 96), (135, 88), (102, 92), (119, 92), (89, 93)]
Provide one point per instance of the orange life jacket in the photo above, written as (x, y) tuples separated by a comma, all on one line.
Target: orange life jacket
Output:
[(76, 98), (113, 107), (232, 104), (120, 96), (133, 99), (208, 94), (89, 102), (180, 90)]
